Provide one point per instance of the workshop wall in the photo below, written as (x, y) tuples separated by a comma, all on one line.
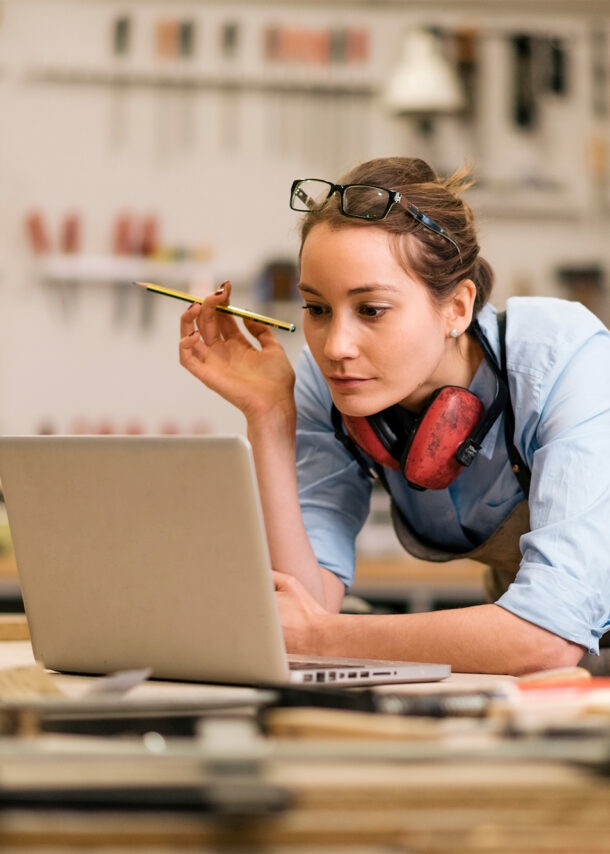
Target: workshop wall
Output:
[(158, 140)]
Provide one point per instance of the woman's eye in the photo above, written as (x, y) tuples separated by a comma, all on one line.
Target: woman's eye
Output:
[(314, 310), (372, 311)]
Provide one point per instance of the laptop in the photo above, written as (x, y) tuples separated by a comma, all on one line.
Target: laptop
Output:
[(150, 552)]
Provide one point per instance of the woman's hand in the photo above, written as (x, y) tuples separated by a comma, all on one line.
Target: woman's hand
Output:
[(213, 349), (301, 616)]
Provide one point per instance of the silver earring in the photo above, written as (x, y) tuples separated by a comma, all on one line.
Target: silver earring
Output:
[(454, 333)]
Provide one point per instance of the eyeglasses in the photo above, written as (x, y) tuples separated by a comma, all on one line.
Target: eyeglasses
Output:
[(362, 201)]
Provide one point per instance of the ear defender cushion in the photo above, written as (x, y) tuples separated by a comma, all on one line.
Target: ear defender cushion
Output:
[(364, 434), (429, 461)]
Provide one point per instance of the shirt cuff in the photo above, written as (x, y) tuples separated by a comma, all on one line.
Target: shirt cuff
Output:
[(568, 610)]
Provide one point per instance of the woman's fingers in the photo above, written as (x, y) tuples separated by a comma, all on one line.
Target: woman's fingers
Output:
[(263, 333), (189, 338), (215, 326), (285, 583), (190, 351), (209, 321), (187, 320)]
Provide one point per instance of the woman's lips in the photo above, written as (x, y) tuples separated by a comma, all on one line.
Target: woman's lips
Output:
[(347, 382)]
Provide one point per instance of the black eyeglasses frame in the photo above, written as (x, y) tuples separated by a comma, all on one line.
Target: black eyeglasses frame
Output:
[(394, 198)]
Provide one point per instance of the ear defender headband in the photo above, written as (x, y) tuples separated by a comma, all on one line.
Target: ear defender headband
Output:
[(433, 447)]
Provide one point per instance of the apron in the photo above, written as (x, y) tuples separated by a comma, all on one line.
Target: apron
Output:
[(500, 552)]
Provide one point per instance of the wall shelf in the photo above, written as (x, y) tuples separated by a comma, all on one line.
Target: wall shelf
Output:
[(111, 268), (178, 79)]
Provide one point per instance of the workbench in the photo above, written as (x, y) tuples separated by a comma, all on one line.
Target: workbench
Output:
[(313, 780)]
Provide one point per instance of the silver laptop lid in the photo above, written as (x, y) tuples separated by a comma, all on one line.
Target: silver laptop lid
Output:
[(143, 552)]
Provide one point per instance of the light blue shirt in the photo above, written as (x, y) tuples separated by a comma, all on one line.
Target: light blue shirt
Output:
[(558, 360)]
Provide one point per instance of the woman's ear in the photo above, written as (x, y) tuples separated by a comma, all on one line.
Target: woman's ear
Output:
[(460, 307)]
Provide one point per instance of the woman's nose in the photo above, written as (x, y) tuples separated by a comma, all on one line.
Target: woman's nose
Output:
[(340, 341)]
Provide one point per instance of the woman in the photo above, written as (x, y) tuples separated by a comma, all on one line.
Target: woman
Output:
[(395, 296)]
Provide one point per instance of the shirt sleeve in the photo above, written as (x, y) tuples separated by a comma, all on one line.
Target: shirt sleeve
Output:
[(334, 492), (563, 583)]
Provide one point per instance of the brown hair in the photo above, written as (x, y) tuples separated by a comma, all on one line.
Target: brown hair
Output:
[(430, 256)]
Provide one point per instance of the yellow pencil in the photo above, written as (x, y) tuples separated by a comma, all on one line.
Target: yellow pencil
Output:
[(228, 309)]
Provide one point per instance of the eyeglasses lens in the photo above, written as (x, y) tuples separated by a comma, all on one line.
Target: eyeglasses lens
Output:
[(310, 195), (360, 200)]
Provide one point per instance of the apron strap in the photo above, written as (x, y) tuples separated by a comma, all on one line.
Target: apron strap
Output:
[(522, 472)]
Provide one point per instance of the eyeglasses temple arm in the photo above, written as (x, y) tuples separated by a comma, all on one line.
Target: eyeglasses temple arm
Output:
[(421, 217)]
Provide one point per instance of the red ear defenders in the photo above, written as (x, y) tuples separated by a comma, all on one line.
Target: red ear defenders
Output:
[(432, 447)]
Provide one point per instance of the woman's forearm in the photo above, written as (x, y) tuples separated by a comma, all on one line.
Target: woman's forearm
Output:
[(274, 450), (477, 639)]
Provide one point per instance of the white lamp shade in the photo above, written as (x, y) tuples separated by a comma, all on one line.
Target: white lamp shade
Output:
[(424, 81)]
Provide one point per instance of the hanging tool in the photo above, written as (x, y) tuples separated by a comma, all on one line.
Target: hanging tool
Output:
[(525, 112)]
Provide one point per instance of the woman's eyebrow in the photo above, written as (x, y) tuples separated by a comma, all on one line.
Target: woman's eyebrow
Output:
[(361, 289)]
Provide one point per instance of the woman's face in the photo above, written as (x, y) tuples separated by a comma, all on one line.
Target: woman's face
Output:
[(375, 333)]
